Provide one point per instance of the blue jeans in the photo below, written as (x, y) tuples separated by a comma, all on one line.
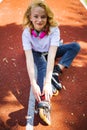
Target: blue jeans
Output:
[(67, 52)]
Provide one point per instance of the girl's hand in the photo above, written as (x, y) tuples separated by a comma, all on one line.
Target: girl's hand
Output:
[(47, 91), (36, 92)]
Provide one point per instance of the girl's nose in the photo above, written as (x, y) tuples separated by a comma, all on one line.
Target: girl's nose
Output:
[(39, 19)]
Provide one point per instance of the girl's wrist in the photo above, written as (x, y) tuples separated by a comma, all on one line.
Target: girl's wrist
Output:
[(33, 83), (48, 83)]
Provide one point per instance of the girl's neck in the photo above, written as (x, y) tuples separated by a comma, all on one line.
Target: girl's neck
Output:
[(38, 31)]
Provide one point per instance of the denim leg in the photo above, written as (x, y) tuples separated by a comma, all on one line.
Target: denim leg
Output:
[(41, 65), (67, 52)]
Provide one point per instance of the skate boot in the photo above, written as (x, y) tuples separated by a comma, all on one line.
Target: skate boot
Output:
[(56, 85), (44, 111)]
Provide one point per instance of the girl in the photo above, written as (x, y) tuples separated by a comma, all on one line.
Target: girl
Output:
[(41, 36)]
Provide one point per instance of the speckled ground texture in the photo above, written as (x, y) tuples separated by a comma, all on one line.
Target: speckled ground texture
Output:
[(69, 108)]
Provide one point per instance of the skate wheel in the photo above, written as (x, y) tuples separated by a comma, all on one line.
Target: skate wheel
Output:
[(55, 93)]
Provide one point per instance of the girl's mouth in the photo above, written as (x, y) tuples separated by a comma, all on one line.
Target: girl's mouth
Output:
[(39, 24)]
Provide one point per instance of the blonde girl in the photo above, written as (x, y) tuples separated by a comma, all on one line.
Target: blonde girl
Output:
[(40, 38)]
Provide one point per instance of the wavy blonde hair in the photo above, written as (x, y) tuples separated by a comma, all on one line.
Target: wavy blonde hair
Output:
[(39, 3)]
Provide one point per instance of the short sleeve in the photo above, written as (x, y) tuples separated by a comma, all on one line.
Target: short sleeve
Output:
[(55, 36), (26, 39)]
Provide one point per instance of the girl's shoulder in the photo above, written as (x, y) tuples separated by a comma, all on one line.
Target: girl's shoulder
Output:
[(26, 30), (53, 29)]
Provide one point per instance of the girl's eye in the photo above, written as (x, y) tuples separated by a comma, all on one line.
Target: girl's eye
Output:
[(44, 16), (35, 16)]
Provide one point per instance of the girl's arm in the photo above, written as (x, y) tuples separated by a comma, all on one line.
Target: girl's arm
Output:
[(31, 73), (47, 90)]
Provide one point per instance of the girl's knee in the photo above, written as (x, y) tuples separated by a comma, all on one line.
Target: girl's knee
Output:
[(76, 46)]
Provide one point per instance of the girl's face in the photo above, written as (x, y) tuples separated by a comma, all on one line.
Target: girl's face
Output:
[(38, 18)]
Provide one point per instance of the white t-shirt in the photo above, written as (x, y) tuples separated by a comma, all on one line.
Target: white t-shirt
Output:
[(41, 45)]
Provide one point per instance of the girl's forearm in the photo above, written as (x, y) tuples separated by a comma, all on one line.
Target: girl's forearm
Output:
[(31, 73), (50, 64), (30, 67)]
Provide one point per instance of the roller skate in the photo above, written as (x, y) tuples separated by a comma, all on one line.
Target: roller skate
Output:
[(56, 85), (44, 111)]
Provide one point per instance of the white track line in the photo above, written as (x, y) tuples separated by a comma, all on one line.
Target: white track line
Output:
[(1, 1), (31, 109), (84, 2)]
